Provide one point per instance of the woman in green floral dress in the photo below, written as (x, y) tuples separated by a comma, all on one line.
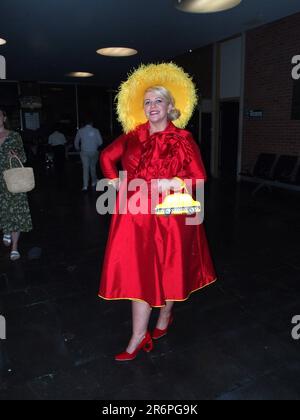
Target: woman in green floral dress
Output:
[(14, 210)]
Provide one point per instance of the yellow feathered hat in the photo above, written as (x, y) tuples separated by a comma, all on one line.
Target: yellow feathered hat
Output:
[(131, 93)]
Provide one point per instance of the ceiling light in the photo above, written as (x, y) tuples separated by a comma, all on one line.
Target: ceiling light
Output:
[(117, 52), (2, 41), (80, 74), (206, 6)]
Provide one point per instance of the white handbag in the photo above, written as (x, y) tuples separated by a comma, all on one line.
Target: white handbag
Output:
[(19, 180)]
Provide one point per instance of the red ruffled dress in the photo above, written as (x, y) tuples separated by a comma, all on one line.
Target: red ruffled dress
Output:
[(154, 258)]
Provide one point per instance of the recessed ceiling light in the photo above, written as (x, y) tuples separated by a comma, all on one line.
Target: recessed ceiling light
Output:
[(2, 41), (80, 74), (206, 6), (117, 52)]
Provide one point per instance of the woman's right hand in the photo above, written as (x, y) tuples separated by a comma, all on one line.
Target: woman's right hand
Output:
[(115, 183)]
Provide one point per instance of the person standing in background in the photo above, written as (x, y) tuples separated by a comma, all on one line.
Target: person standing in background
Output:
[(90, 140), (58, 141)]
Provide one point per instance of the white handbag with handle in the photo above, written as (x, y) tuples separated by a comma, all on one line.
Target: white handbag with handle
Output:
[(19, 180)]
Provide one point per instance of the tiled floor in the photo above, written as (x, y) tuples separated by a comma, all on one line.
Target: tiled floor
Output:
[(230, 341)]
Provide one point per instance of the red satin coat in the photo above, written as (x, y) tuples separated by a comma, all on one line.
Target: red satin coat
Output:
[(154, 258)]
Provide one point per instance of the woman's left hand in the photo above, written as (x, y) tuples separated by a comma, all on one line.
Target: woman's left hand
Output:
[(174, 184)]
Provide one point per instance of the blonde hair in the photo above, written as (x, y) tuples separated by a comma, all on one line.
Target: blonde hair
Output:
[(174, 114)]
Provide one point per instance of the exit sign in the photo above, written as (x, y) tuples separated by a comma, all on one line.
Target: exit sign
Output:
[(255, 114)]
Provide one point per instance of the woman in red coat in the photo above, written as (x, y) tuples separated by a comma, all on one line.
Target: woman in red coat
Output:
[(154, 260)]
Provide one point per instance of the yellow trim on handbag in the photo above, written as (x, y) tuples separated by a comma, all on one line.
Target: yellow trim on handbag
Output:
[(178, 203)]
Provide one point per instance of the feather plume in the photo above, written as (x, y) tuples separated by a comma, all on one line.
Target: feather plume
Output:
[(131, 93)]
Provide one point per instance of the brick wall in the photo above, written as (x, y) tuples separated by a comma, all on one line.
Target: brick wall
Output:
[(269, 87)]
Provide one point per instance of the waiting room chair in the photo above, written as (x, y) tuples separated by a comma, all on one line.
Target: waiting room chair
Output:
[(263, 170), (264, 165), (285, 169)]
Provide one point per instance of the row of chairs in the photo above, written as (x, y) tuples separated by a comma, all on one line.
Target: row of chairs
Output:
[(271, 170)]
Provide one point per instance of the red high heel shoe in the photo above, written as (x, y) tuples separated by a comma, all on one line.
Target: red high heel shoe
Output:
[(146, 345), (157, 333)]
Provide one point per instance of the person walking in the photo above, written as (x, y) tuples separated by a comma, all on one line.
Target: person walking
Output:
[(88, 140), (58, 142), (14, 210)]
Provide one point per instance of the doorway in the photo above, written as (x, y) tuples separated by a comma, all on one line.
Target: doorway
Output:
[(229, 139), (206, 137)]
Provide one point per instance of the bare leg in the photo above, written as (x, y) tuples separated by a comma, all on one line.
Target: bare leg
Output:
[(164, 316), (141, 312), (15, 240)]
